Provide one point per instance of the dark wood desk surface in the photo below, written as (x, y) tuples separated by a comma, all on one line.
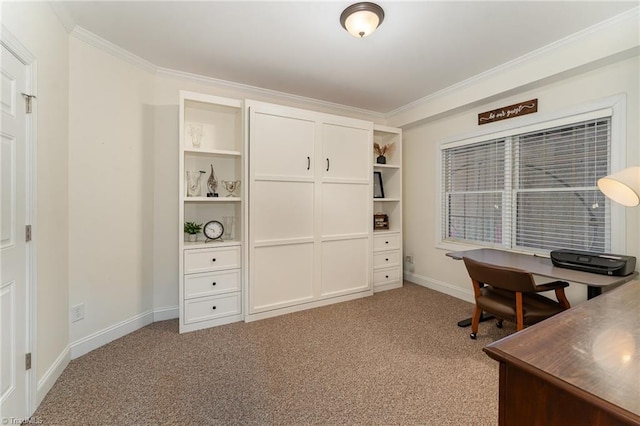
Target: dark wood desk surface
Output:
[(540, 266), (579, 367)]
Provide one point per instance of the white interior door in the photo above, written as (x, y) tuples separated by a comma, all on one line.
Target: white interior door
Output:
[(14, 312)]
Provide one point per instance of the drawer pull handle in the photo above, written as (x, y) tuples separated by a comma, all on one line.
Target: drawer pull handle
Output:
[(213, 283), (213, 307), (386, 242), (386, 276), (327, 164), (213, 260), (386, 260), (308, 163)]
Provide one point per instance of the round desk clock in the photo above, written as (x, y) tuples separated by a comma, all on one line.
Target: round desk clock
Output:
[(213, 230)]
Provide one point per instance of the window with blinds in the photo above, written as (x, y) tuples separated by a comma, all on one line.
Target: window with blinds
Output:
[(533, 191)]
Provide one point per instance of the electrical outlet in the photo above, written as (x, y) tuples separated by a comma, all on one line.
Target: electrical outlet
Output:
[(77, 312), (409, 259)]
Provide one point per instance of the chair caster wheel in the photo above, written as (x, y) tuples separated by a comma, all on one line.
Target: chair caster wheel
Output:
[(473, 336)]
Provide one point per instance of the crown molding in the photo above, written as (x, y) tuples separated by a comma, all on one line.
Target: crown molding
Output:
[(254, 90), (632, 15), (115, 50)]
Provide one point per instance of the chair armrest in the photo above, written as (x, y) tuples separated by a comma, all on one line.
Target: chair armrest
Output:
[(551, 286)]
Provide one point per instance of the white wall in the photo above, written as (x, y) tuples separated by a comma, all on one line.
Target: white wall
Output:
[(111, 172), (39, 30), (421, 153)]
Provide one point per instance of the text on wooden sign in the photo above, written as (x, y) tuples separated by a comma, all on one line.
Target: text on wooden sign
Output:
[(510, 111)]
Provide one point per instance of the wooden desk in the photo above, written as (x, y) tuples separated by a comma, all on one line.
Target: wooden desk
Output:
[(580, 367), (544, 267)]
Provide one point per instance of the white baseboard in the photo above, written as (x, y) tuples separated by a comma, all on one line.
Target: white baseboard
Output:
[(51, 376), (442, 287), (109, 334), (166, 313)]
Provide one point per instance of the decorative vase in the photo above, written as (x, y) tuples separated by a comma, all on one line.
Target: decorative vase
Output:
[(193, 238), (227, 223), (212, 184), (194, 187), (381, 159), (195, 130)]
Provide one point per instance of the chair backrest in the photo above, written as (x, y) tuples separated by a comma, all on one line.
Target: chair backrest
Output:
[(500, 277)]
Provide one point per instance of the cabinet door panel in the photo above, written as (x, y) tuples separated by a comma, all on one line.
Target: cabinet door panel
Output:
[(281, 276), (348, 150), (345, 209), (345, 266), (281, 146), (283, 210)]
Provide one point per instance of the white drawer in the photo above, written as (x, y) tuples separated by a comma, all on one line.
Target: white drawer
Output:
[(385, 276), (386, 242), (213, 259), (207, 308), (211, 283), (386, 259)]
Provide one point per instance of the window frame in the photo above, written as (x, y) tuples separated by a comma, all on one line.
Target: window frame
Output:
[(615, 107)]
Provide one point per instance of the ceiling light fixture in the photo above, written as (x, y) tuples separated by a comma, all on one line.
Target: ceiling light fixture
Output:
[(622, 187), (361, 19)]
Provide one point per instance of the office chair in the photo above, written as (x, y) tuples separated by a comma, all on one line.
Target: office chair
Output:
[(511, 294)]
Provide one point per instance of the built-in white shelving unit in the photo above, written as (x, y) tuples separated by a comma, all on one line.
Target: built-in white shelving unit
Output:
[(211, 271), (387, 244)]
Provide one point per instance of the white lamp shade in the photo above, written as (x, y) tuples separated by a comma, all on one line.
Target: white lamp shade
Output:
[(623, 187), (362, 23)]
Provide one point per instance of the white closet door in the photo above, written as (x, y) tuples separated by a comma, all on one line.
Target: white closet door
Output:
[(346, 152), (282, 276), (281, 147), (310, 228), (282, 207), (283, 211), (345, 210), (345, 266)]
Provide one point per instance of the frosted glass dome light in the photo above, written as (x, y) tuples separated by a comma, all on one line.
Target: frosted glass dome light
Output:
[(361, 19)]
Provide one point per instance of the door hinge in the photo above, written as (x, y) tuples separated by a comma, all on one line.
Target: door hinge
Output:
[(27, 100), (28, 232), (27, 361)]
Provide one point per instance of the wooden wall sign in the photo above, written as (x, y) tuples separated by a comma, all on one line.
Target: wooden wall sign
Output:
[(510, 111)]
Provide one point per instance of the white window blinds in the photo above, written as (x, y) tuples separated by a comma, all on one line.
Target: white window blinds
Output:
[(533, 191), (474, 180)]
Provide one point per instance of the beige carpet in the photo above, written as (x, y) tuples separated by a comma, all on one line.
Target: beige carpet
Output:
[(396, 358)]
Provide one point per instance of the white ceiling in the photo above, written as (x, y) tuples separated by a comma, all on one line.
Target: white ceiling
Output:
[(299, 47)]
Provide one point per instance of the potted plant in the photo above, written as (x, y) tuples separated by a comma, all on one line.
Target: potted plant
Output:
[(192, 229), (381, 151)]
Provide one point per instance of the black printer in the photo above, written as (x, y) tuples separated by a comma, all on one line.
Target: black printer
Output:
[(599, 263)]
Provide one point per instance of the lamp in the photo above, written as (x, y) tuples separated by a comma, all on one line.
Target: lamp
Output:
[(622, 187), (361, 19)]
